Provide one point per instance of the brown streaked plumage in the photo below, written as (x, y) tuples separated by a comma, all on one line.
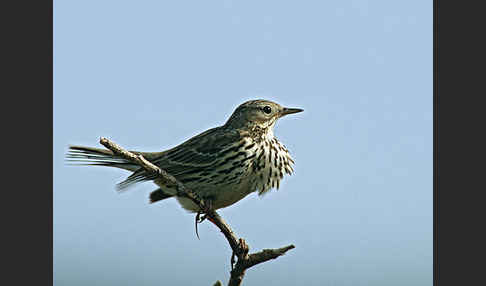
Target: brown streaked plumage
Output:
[(223, 164)]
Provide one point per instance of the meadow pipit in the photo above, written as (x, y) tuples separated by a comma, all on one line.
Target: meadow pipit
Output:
[(222, 165)]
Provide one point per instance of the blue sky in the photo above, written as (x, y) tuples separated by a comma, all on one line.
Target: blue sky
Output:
[(151, 74)]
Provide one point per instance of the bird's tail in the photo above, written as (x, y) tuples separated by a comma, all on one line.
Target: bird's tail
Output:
[(80, 155)]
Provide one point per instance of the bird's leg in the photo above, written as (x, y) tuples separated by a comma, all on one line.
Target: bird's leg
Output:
[(200, 219), (208, 207)]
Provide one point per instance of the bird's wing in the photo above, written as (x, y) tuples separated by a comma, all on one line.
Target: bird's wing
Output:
[(191, 157)]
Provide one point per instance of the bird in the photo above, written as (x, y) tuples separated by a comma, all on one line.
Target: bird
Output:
[(222, 165)]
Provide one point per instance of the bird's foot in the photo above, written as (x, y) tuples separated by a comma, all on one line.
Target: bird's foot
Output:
[(203, 212), (198, 219)]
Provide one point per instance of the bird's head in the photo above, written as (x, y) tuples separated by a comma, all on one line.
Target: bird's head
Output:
[(258, 113)]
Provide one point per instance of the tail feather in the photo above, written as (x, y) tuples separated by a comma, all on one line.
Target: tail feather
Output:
[(81, 155)]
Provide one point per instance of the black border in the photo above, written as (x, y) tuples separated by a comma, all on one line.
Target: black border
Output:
[(27, 138), (458, 147), (435, 137)]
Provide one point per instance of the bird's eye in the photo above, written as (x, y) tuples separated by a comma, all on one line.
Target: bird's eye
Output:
[(267, 109)]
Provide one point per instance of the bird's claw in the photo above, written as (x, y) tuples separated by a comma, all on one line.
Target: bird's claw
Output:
[(203, 212), (198, 219)]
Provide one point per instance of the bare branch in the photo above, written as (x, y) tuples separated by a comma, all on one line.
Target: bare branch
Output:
[(239, 246), (267, 254), (253, 259)]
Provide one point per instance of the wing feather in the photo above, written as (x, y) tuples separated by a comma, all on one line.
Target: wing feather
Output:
[(197, 154)]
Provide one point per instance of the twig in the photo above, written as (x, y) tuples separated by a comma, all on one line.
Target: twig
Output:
[(253, 259), (239, 246)]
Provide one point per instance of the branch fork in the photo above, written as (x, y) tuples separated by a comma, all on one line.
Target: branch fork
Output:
[(238, 245)]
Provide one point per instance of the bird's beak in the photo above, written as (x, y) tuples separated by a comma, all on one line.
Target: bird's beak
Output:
[(286, 111)]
